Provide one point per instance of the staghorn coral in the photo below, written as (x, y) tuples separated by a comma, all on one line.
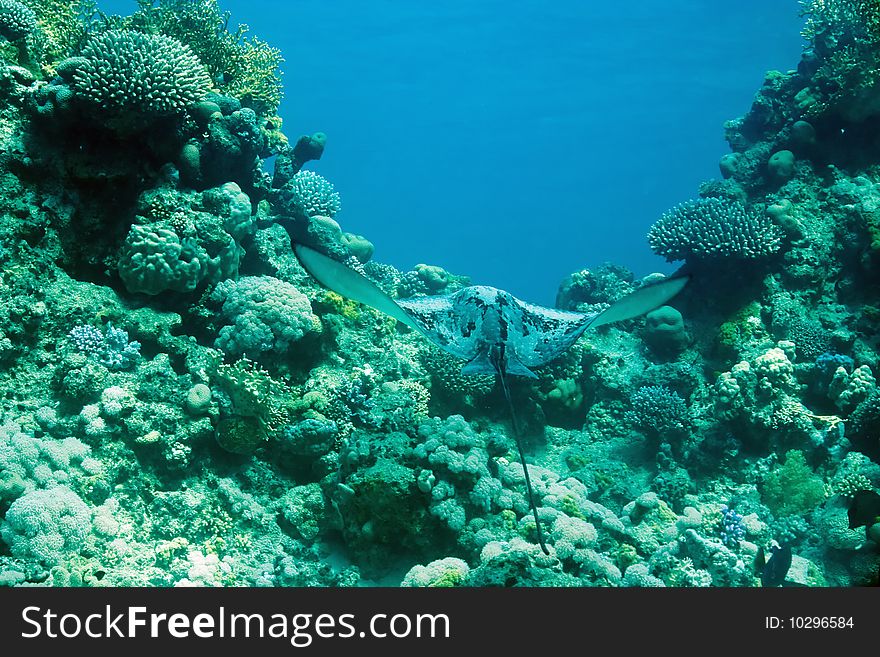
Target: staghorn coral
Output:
[(62, 27), (714, 229)]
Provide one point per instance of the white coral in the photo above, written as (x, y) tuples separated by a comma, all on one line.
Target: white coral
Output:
[(847, 390)]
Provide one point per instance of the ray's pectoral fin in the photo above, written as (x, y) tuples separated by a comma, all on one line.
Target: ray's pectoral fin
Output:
[(642, 301), (345, 281)]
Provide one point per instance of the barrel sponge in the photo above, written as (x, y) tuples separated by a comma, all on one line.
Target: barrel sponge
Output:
[(16, 20), (262, 315), (315, 194), (713, 229), (48, 525), (126, 72)]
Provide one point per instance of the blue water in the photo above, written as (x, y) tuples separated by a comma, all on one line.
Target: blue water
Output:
[(518, 141)]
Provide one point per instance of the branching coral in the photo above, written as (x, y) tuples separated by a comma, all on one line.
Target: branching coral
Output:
[(714, 229), (315, 194), (16, 20), (658, 411), (792, 488), (129, 74), (247, 68)]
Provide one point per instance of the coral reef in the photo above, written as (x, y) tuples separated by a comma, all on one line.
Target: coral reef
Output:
[(184, 406)]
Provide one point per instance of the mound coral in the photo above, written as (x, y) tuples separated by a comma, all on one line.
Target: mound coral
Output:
[(155, 259), (47, 525), (264, 315)]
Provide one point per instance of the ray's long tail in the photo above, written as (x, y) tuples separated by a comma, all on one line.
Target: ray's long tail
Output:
[(522, 459)]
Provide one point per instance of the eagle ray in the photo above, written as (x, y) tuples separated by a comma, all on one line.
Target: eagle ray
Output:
[(490, 329)]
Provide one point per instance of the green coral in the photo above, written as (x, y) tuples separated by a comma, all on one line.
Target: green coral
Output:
[(16, 20), (712, 229), (245, 67), (60, 28), (792, 488), (126, 74), (254, 393), (744, 325)]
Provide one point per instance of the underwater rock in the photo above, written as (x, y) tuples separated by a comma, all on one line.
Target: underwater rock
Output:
[(803, 134), (729, 164), (289, 161), (781, 165)]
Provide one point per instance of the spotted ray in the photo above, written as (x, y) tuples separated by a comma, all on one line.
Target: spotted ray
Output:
[(490, 329)]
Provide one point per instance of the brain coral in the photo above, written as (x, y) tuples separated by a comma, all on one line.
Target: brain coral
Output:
[(711, 229), (129, 73), (263, 314), (16, 20)]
